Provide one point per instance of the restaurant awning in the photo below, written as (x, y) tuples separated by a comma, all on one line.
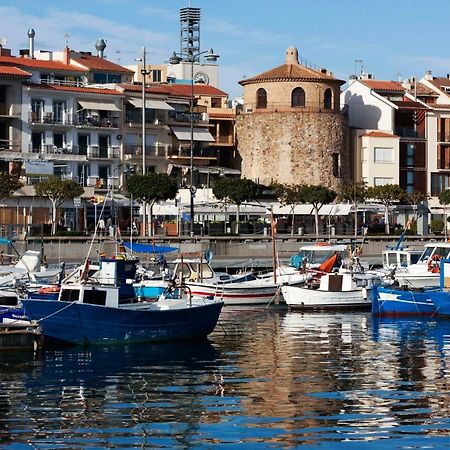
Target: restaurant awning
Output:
[(150, 103), (99, 105), (200, 134)]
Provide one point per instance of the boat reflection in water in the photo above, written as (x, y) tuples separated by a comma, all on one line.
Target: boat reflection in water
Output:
[(265, 379)]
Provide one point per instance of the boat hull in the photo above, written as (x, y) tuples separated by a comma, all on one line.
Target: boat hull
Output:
[(402, 302), (441, 301), (234, 294), (79, 323), (303, 298)]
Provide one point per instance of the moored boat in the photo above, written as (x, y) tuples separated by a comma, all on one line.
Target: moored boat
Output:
[(106, 310)]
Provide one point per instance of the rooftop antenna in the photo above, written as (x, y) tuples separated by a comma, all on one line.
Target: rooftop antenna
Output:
[(399, 77), (3, 41), (358, 62), (118, 56), (66, 38)]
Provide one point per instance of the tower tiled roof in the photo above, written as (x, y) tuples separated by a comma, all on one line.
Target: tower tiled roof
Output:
[(291, 72)]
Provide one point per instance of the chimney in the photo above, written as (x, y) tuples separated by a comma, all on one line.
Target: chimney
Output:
[(66, 56), (428, 75), (100, 46), (31, 33)]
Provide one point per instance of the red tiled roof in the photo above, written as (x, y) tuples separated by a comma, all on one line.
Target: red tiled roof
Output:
[(422, 90), (96, 63), (379, 85), (380, 134), (87, 90), (409, 104), (38, 64), (291, 72), (152, 89), (439, 106), (13, 72), (222, 115), (184, 90)]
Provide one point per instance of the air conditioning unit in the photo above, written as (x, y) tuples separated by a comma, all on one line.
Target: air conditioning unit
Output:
[(91, 181), (248, 110)]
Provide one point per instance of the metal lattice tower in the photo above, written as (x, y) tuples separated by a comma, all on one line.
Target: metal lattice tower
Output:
[(189, 32)]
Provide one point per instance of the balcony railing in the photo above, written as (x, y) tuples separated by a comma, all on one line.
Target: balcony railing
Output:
[(50, 149), (135, 117), (96, 152), (150, 150), (185, 117), (408, 132), (185, 152), (83, 120), (49, 118), (77, 83)]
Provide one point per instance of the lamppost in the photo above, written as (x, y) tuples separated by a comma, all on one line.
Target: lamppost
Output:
[(190, 58), (144, 73)]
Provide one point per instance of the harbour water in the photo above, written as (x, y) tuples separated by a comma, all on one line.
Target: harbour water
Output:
[(264, 379)]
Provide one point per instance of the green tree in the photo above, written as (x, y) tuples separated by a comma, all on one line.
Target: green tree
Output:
[(151, 188), (290, 195), (387, 195), (356, 193), (444, 200), (237, 191), (58, 191), (318, 196)]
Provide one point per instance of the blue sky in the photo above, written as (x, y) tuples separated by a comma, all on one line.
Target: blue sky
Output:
[(392, 37)]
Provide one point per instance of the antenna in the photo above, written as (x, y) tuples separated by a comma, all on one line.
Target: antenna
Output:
[(3, 41), (66, 38)]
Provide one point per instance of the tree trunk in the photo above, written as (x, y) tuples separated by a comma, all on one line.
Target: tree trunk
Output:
[(152, 228), (386, 219), (316, 218), (293, 220), (237, 218), (53, 216)]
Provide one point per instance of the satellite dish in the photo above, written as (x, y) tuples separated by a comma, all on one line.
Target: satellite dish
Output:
[(3, 41)]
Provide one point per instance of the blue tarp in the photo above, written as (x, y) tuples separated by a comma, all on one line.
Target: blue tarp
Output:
[(4, 241), (148, 248)]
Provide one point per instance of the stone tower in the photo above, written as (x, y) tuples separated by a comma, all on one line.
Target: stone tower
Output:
[(291, 129)]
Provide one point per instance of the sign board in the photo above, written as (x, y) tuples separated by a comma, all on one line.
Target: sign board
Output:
[(77, 202), (39, 167)]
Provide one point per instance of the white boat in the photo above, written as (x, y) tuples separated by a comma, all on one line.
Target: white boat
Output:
[(337, 290), (426, 271)]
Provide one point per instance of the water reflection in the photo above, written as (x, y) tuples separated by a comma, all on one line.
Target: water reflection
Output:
[(266, 379)]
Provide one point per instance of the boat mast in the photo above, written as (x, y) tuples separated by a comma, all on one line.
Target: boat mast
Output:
[(274, 232)]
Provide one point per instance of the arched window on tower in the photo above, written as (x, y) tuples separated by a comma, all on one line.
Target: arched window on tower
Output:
[(298, 98), (261, 99), (327, 99)]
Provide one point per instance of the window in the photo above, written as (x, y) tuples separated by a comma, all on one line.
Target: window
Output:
[(261, 99), (335, 164), (364, 154), (409, 181), (410, 155), (156, 76), (439, 182), (106, 78), (58, 111), (298, 98), (380, 181), (327, 99), (383, 155)]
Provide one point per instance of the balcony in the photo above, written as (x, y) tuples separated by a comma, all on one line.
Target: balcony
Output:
[(65, 82), (85, 120), (132, 150), (135, 118), (96, 152), (48, 118), (50, 149), (185, 152), (185, 117), (409, 132)]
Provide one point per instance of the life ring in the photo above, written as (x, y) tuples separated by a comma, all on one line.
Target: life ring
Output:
[(49, 289), (434, 264)]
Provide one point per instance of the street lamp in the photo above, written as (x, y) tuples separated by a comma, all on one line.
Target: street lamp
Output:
[(190, 58), (144, 73)]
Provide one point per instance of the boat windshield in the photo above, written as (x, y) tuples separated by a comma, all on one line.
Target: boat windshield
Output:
[(316, 256), (442, 252)]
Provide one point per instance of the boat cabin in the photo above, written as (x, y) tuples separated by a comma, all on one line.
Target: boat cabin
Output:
[(316, 254), (400, 258), (434, 251), (110, 286), (198, 269)]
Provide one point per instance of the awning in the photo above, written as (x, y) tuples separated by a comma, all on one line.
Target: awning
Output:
[(150, 103), (335, 210), (98, 105), (200, 134)]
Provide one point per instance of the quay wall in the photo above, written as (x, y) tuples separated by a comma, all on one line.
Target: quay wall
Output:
[(75, 249)]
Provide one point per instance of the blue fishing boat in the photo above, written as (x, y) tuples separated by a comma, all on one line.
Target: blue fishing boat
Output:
[(105, 309), (402, 301), (441, 298)]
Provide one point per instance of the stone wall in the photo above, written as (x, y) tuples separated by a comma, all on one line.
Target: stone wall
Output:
[(293, 147)]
